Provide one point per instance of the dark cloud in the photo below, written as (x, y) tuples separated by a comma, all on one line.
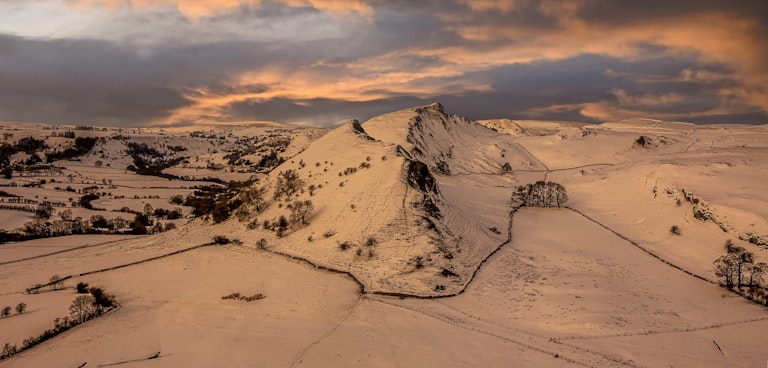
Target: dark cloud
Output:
[(623, 13), (79, 82)]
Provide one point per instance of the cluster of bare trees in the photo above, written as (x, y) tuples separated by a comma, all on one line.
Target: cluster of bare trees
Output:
[(541, 194), (738, 268)]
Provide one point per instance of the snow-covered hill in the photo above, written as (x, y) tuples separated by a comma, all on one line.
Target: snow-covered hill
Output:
[(411, 204)]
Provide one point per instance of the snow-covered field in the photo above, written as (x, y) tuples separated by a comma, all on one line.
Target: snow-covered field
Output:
[(406, 265)]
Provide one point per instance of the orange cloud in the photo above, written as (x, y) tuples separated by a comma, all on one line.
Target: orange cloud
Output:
[(297, 85)]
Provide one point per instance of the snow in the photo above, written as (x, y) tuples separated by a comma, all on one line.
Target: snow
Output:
[(602, 283)]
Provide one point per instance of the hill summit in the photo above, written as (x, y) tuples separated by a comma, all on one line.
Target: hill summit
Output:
[(398, 201)]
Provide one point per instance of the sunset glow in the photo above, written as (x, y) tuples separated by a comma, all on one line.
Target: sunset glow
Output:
[(320, 62)]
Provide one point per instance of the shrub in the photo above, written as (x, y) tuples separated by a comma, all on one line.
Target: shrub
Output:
[(21, 307), (221, 240), (82, 287), (43, 212), (101, 299), (345, 245), (674, 230), (643, 141), (98, 221), (137, 228), (5, 312), (261, 244), (8, 351), (177, 199), (237, 296)]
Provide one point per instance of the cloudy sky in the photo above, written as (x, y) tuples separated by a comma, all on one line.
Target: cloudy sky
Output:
[(321, 62)]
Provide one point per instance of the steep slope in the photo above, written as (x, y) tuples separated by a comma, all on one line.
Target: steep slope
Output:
[(408, 202), (364, 221)]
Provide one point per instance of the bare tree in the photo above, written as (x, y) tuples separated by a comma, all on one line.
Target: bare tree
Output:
[(300, 211), (281, 226), (726, 268), (288, 183), (255, 196), (756, 273), (560, 195), (742, 257), (82, 308)]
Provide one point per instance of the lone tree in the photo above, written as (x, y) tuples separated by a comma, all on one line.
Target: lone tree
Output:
[(21, 307), (300, 211), (541, 194), (288, 183)]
